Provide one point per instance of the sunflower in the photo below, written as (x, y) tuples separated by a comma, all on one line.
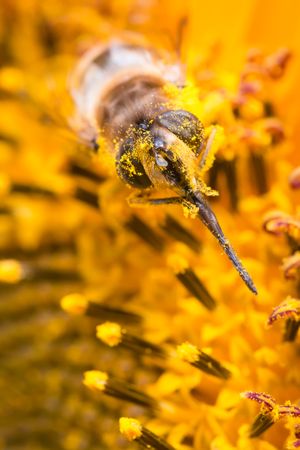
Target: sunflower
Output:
[(123, 325)]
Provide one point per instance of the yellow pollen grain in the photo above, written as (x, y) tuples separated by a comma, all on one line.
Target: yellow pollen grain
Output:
[(171, 91), (10, 271), (177, 263), (290, 306), (188, 352), (128, 165), (276, 413), (95, 380), (252, 110), (110, 333), (130, 428), (189, 210), (74, 303)]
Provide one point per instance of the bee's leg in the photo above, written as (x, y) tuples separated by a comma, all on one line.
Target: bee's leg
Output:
[(207, 150), (144, 200)]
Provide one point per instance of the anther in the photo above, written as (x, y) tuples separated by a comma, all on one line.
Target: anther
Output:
[(51, 274), (177, 231), (28, 189), (191, 354), (50, 248), (11, 271), (270, 411), (291, 329), (5, 211), (10, 140), (102, 382), (262, 423), (266, 418), (195, 286), (232, 183), (89, 198), (258, 168), (78, 304), (228, 167), (75, 304), (132, 430), (113, 335), (78, 170), (139, 227)]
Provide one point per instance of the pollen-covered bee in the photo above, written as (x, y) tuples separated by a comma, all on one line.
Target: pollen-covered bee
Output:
[(118, 90)]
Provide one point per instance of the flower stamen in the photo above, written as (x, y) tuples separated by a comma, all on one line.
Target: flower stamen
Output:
[(270, 412), (194, 356), (174, 228), (77, 170), (143, 231), (134, 431), (14, 272), (101, 382), (278, 222), (291, 265), (78, 304), (195, 286), (289, 308), (112, 334)]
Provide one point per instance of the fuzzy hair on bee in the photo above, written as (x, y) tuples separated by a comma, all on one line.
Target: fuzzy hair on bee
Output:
[(119, 91)]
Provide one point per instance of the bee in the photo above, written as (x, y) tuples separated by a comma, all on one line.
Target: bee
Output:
[(119, 90)]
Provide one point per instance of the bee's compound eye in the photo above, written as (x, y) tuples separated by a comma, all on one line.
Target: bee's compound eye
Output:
[(129, 168), (159, 150), (185, 126)]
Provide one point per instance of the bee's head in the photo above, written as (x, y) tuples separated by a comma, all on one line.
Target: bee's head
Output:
[(161, 152)]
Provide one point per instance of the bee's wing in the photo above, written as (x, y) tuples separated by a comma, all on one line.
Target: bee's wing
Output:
[(53, 107)]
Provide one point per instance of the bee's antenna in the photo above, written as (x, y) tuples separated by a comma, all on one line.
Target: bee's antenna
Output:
[(209, 219)]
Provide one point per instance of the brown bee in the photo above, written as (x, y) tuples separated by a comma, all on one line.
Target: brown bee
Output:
[(118, 89)]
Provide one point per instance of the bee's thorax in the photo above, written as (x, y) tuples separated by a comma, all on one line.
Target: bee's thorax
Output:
[(137, 100)]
